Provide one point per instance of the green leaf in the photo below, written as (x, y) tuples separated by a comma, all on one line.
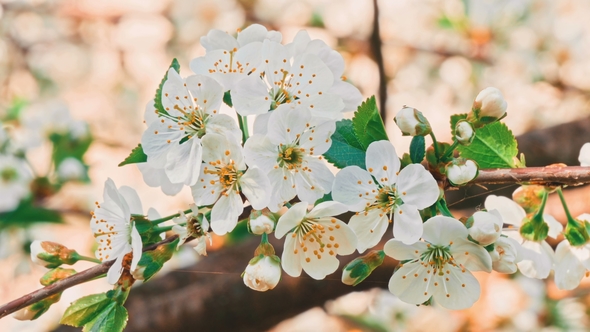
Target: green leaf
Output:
[(113, 318), (27, 213), (136, 156), (326, 198), (345, 149), (494, 146), (417, 149), (85, 309), (454, 119), (367, 123), (227, 99), (152, 261), (145, 229), (158, 98)]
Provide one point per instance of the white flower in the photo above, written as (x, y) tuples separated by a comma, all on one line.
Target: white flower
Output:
[(464, 132), (440, 266), (505, 255), (264, 274), (229, 59), (537, 257), (15, 178), (173, 142), (490, 103), (486, 227), (383, 192), (113, 229), (411, 122), (461, 171), (70, 169), (261, 224), (291, 155), (190, 226), (302, 44), (304, 81), (584, 157), (315, 240), (223, 178)]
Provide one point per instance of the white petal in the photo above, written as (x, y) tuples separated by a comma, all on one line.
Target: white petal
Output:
[(151, 113), (369, 228), (313, 184), (350, 186), (218, 39), (340, 233), (282, 182), (382, 162), (315, 76), (327, 209), (319, 139), (256, 187), (285, 124), (462, 289), (260, 152), (474, 257), (154, 142), (407, 224), (290, 261), (261, 123), (511, 212), (225, 125), (184, 162), (253, 33), (408, 284), (419, 186), (319, 268), (351, 96), (397, 249), (206, 92), (555, 227), (225, 213), (441, 230), (569, 269), (205, 193), (137, 246), (132, 199), (115, 270), (156, 177), (536, 260), (290, 219), (584, 157), (250, 96)]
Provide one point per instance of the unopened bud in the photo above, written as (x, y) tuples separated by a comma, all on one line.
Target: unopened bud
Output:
[(360, 268), (529, 197), (50, 254), (37, 309), (412, 123), (485, 227), (260, 223), (55, 275), (576, 231), (489, 106), (461, 171), (534, 229), (464, 132), (262, 273)]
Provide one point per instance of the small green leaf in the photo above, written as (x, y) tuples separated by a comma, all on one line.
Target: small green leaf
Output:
[(417, 149), (158, 98), (345, 149), (494, 146), (367, 123), (227, 99), (326, 198), (152, 261), (145, 229), (113, 318), (136, 156), (85, 309), (454, 119)]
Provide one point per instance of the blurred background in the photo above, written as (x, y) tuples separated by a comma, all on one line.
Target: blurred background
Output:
[(75, 77)]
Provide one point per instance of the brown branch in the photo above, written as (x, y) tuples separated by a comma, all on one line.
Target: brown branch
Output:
[(66, 283), (378, 54)]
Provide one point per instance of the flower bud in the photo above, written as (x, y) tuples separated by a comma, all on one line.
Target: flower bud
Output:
[(412, 123), (505, 255), (50, 254), (584, 157), (489, 106), (576, 232), (534, 229), (37, 309), (152, 261), (263, 273), (55, 275), (486, 227), (361, 267), (464, 132), (261, 224), (529, 197), (70, 169), (461, 171)]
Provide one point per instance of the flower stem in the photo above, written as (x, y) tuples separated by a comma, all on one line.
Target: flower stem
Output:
[(450, 150), (243, 122), (264, 238), (172, 216), (435, 144), (570, 219), (442, 207), (162, 229), (89, 259)]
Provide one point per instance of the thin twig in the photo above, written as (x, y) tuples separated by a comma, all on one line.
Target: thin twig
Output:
[(66, 283), (378, 54)]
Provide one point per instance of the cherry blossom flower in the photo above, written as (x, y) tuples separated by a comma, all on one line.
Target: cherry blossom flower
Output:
[(486, 227), (15, 177), (114, 230), (173, 142), (315, 239), (291, 155), (584, 157), (223, 178), (490, 103), (537, 257), (505, 255), (303, 81), (383, 192), (190, 226), (228, 59), (440, 266), (572, 262)]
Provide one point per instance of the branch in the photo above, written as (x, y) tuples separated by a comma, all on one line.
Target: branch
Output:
[(546, 176), (378, 54), (66, 283)]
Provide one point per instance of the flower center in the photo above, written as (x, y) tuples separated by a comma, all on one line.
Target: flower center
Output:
[(280, 93), (8, 174), (309, 231), (437, 257), (194, 228), (290, 156), (227, 174)]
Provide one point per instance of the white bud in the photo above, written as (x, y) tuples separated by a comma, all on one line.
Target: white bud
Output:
[(70, 169), (584, 157), (461, 171), (505, 255), (263, 274), (261, 224), (490, 103), (25, 314), (486, 227), (37, 249), (464, 133), (411, 122)]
